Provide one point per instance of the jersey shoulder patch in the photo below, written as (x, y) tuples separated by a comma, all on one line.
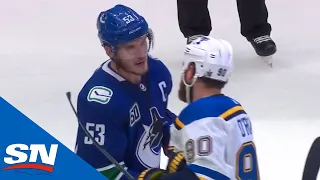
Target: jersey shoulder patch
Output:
[(100, 94)]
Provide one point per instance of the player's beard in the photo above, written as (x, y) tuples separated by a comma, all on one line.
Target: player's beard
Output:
[(182, 93)]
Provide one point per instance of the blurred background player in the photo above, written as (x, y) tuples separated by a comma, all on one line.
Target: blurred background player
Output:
[(124, 103), (194, 21), (212, 137)]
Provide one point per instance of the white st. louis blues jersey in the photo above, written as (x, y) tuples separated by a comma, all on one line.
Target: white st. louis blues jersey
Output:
[(215, 134)]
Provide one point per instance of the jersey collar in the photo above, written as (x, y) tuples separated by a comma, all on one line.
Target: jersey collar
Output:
[(106, 67)]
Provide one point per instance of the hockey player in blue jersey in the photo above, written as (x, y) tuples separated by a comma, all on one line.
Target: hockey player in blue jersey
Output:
[(124, 103), (212, 137)]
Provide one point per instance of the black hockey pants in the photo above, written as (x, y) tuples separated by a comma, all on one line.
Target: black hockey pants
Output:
[(194, 18)]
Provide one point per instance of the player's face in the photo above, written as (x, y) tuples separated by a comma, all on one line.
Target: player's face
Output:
[(133, 56)]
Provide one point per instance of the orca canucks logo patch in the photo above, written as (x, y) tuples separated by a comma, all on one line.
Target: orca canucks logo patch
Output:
[(100, 94), (149, 145)]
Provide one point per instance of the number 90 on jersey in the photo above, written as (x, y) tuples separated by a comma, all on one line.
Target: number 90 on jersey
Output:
[(247, 162), (202, 146), (246, 157)]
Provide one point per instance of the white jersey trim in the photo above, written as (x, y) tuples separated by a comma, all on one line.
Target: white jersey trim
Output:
[(105, 67)]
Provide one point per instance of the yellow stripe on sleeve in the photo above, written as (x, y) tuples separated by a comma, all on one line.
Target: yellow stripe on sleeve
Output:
[(230, 112), (179, 123)]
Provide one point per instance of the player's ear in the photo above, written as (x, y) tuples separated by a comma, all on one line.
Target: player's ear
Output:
[(190, 72), (108, 51)]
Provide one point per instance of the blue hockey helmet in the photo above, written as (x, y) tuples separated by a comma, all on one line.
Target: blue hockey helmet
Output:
[(120, 25)]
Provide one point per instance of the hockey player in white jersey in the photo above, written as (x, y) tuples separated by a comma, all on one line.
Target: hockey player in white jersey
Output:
[(212, 137)]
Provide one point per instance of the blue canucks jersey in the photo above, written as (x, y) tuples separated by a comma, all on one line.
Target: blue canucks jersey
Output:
[(130, 121)]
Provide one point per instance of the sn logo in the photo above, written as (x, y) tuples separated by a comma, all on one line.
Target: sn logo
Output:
[(20, 158)]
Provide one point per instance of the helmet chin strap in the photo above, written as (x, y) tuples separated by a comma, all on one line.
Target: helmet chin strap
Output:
[(189, 87)]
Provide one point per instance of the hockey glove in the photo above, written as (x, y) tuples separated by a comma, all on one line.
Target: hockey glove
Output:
[(152, 174), (176, 162)]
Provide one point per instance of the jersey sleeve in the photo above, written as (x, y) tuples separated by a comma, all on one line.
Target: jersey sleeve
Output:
[(204, 142), (105, 125)]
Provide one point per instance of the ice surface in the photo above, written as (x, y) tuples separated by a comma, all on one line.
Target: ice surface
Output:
[(50, 47)]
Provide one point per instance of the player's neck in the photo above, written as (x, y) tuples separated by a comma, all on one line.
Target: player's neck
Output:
[(133, 78), (202, 92)]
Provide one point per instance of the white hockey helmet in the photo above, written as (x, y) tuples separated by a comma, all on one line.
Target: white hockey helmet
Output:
[(212, 58)]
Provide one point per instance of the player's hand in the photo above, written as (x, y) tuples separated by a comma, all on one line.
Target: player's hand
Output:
[(176, 162), (152, 174)]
